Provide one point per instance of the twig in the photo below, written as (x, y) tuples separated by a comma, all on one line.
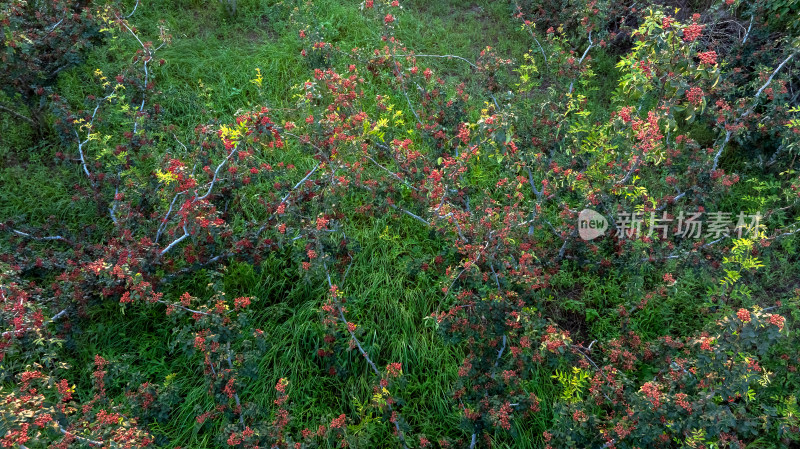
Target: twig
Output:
[(84, 439), (580, 351), (88, 137), (411, 214), (112, 210), (235, 395), (393, 174), (496, 280), (591, 44), (53, 28), (55, 317), (164, 221), (774, 72), (538, 193), (500, 353), (533, 36), (630, 172), (441, 56), (204, 264), (405, 91), (182, 307), (747, 33), (729, 133), (677, 255), (216, 172), (134, 9), (145, 60), (181, 143), (175, 242), (48, 238), (283, 200), (450, 288), (17, 114), (562, 250), (676, 198), (364, 354)]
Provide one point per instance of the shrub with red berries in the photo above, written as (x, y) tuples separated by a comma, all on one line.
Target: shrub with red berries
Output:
[(495, 166)]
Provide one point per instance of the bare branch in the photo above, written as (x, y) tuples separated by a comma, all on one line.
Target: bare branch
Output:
[(411, 214), (442, 56), (175, 242), (164, 221), (112, 210), (676, 198), (181, 307), (363, 354), (500, 352), (496, 279), (404, 90), (630, 172), (17, 114), (729, 133), (747, 33), (533, 36), (538, 193), (774, 72), (580, 350), (53, 28), (591, 44), (450, 288), (393, 174), (216, 172), (78, 437), (55, 317), (285, 197), (42, 239), (235, 395), (88, 138), (134, 9)]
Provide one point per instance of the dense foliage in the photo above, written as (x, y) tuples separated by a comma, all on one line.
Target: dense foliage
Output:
[(675, 131)]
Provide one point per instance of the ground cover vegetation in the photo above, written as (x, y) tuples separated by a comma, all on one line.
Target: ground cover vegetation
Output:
[(333, 223)]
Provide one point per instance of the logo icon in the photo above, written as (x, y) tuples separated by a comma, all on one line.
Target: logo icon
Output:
[(591, 224)]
